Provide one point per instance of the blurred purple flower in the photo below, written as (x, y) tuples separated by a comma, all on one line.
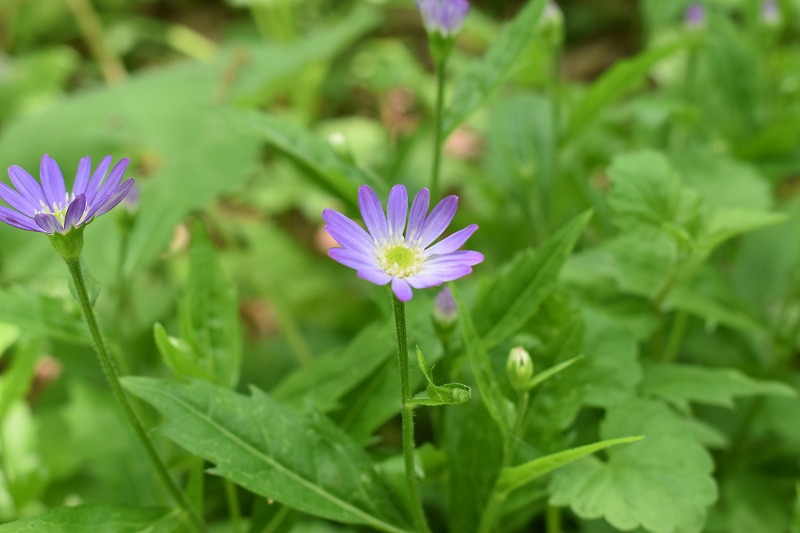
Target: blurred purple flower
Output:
[(386, 254), (48, 208), (695, 16), (443, 16), (770, 12), (444, 307)]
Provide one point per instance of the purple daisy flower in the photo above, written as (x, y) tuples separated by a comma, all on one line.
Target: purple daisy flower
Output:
[(443, 16), (406, 259), (48, 208)]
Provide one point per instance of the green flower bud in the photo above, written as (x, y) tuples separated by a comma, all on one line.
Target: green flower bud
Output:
[(519, 368)]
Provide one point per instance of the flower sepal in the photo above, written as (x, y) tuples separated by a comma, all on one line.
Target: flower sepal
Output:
[(441, 46), (68, 245)]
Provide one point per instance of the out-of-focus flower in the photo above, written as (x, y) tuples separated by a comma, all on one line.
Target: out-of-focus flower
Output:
[(445, 17), (46, 207), (444, 310), (387, 254), (770, 13), (695, 17)]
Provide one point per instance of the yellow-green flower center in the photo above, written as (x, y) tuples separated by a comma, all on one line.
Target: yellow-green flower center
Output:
[(57, 210), (399, 260)]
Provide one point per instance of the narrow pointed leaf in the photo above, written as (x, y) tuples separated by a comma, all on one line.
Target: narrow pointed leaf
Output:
[(304, 462)]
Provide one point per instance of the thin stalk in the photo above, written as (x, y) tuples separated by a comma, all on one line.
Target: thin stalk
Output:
[(110, 371), (418, 514), (675, 336), (498, 497), (233, 506), (437, 128), (553, 519), (113, 70)]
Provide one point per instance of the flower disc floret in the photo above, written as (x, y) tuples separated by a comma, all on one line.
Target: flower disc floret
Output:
[(391, 252), (45, 206)]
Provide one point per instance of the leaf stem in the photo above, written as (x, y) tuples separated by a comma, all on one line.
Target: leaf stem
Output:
[(110, 372), (418, 514), (437, 128), (233, 506)]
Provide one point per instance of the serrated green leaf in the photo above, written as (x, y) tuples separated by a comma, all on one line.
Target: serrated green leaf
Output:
[(642, 485), (515, 296), (513, 477), (487, 74), (210, 313), (325, 167), (683, 384), (272, 451), (499, 407), (447, 394), (623, 77), (728, 223), (98, 518)]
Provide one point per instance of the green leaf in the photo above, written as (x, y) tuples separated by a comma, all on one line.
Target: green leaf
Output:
[(647, 190), (17, 376), (515, 296), (42, 315), (514, 477), (210, 313), (272, 451), (728, 223), (326, 168), (487, 74), (662, 484), (448, 394), (178, 355), (98, 518), (499, 407), (9, 333), (683, 384), (623, 77)]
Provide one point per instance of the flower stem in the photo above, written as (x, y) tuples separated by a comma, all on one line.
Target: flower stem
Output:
[(110, 372), (437, 128), (399, 311)]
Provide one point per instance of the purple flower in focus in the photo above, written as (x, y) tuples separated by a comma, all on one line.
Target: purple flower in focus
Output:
[(695, 16), (48, 208), (443, 16), (406, 259)]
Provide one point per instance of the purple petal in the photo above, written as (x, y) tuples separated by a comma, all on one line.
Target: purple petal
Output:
[(52, 181), (97, 179), (346, 232), (438, 275), (17, 220), (111, 187), (416, 219), (111, 202), (17, 201), (353, 258), (75, 211), (372, 213), (48, 223), (28, 187), (375, 275), (396, 210), (453, 242), (82, 176), (466, 257), (401, 289), (438, 220)]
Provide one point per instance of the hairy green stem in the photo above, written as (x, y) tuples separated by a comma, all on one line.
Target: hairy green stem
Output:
[(418, 514), (110, 372), (437, 128)]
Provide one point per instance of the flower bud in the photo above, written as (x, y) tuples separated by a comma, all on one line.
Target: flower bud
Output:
[(519, 368), (445, 17), (444, 312), (695, 17), (770, 13)]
